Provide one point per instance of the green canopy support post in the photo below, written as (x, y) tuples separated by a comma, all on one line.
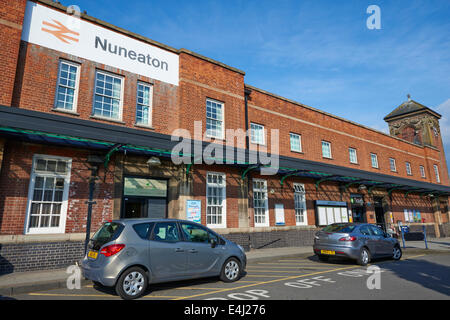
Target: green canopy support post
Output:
[(348, 185), (188, 168), (110, 153), (394, 187), (323, 180), (246, 171), (411, 191), (284, 177)]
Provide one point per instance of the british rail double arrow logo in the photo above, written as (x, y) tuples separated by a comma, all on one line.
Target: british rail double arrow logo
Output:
[(60, 31)]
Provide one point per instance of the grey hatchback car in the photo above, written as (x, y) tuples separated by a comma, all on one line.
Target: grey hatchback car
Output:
[(360, 242), (130, 254)]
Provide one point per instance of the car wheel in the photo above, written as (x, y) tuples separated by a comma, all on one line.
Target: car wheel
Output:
[(231, 270), (323, 258), (397, 253), (132, 283), (364, 257)]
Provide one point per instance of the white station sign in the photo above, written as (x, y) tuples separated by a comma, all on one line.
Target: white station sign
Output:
[(67, 33)]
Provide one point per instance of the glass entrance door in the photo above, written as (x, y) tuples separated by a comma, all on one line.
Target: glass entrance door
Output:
[(144, 198)]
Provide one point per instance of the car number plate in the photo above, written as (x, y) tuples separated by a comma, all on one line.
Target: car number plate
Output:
[(93, 254), (328, 252)]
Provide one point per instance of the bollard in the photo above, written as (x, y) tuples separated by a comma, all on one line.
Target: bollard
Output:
[(425, 236), (403, 237)]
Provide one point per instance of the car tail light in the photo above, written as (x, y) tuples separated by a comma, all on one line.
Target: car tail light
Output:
[(111, 250), (347, 239)]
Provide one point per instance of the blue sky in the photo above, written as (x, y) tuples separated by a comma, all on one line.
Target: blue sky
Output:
[(317, 52)]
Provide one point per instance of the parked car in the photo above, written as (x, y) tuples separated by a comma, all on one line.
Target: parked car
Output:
[(130, 254), (360, 242)]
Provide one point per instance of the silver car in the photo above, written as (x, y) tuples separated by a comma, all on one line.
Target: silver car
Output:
[(130, 254), (360, 242)]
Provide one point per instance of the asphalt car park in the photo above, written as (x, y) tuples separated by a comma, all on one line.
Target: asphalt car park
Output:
[(418, 276)]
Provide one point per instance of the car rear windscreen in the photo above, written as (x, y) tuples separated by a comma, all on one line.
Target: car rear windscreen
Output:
[(339, 228), (108, 232)]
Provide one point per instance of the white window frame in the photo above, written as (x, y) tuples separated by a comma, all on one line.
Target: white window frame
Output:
[(295, 135), (149, 105), (221, 134), (64, 204), (265, 200), (122, 86), (436, 172), (255, 138), (392, 165), (374, 156), (300, 204), (328, 144), (350, 150), (422, 171), (76, 89), (223, 205), (408, 168)]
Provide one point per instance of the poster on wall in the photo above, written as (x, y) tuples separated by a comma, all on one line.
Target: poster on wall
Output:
[(194, 211), (279, 215), (405, 211)]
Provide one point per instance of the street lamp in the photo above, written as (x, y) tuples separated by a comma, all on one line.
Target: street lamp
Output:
[(95, 161)]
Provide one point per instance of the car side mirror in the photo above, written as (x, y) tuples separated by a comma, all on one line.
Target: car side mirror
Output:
[(213, 243)]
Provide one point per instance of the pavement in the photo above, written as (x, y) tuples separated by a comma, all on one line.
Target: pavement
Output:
[(24, 282)]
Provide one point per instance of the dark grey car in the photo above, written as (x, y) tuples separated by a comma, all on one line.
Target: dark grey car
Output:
[(360, 242), (130, 254)]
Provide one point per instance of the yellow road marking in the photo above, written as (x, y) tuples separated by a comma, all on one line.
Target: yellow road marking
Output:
[(299, 267), (261, 283), (277, 280)]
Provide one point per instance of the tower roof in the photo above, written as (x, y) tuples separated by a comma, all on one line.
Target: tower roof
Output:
[(410, 106)]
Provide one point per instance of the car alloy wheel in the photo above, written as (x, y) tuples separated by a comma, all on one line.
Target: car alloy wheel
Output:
[(397, 253), (133, 284), (231, 270), (364, 257)]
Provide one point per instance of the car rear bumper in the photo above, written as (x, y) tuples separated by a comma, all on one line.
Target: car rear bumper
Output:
[(99, 274), (339, 251)]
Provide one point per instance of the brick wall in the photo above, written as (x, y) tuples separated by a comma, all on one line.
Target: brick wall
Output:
[(15, 181), (39, 256), (11, 19), (314, 126)]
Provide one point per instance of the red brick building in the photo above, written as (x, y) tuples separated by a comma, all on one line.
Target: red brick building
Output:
[(88, 112)]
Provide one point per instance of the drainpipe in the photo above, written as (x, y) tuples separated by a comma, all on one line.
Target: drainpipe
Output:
[(247, 93)]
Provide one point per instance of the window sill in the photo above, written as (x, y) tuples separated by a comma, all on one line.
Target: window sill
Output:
[(106, 119), (66, 111), (144, 126), (297, 152)]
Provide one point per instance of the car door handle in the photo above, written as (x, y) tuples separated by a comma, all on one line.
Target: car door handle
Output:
[(193, 251), (179, 250)]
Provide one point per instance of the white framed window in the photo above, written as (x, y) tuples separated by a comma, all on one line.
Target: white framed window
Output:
[(296, 142), (436, 172), (374, 160), (392, 164), (108, 96), (301, 218), (48, 195), (422, 171), (353, 156), (144, 99), (326, 149), (215, 119), (257, 134), (260, 203), (408, 169), (67, 86), (216, 200)]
